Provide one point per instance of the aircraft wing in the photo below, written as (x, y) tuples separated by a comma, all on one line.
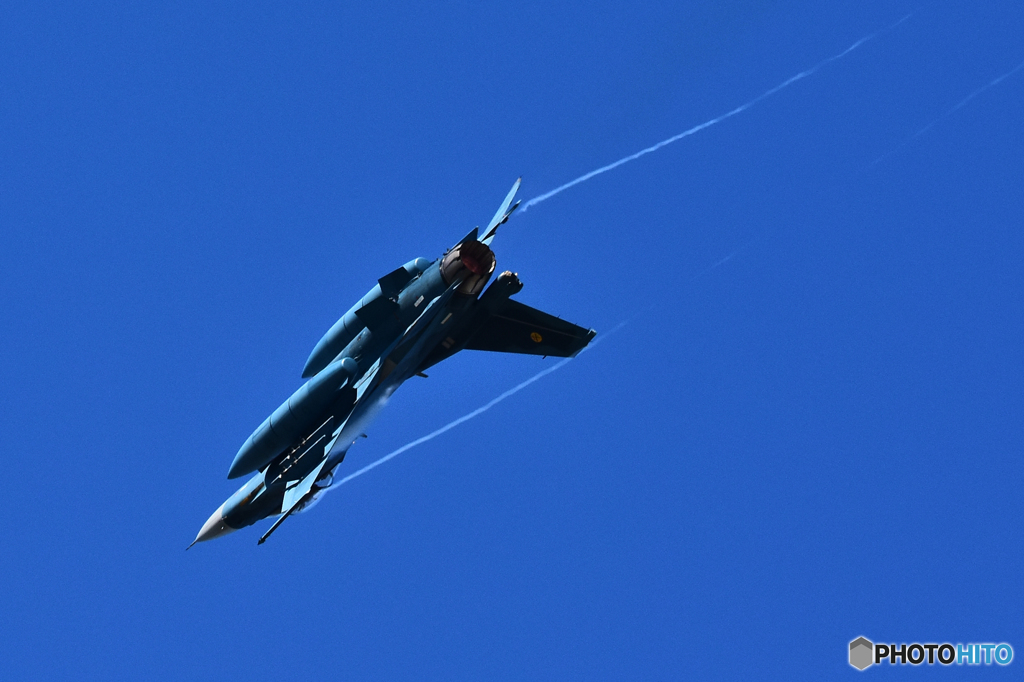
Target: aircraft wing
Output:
[(293, 498), (517, 328)]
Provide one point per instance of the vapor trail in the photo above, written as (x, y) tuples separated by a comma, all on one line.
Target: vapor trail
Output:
[(708, 124), (451, 425), (475, 413), (723, 261), (959, 105)]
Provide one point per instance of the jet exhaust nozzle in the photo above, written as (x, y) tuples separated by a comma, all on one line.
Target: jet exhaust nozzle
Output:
[(471, 261)]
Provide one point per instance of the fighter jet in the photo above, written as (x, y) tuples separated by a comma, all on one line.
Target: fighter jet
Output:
[(413, 318)]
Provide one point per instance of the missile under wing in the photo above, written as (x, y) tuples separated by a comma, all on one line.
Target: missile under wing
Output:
[(413, 318)]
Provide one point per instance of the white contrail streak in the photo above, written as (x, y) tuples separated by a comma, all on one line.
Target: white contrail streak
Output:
[(965, 100), (956, 107), (475, 413), (722, 262), (708, 124), (451, 425)]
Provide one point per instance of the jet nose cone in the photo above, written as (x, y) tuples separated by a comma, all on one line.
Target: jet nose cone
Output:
[(214, 527)]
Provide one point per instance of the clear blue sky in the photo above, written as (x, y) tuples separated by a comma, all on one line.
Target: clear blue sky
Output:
[(818, 439)]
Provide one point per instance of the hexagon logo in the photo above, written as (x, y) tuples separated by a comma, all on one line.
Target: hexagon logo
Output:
[(862, 653)]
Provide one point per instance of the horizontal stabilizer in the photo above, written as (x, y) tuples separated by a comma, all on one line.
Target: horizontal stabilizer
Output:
[(471, 237), (517, 328)]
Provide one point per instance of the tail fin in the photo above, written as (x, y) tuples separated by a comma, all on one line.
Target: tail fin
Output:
[(504, 211)]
